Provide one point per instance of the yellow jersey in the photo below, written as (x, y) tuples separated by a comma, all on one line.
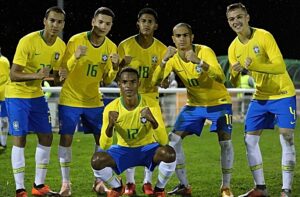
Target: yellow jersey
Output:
[(205, 88), (130, 129), (4, 75), (268, 69), (33, 54), (81, 88), (145, 61)]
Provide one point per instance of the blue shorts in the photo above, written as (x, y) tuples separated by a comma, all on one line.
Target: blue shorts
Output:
[(28, 115), (192, 118), (70, 117), (127, 157), (264, 114), (3, 112)]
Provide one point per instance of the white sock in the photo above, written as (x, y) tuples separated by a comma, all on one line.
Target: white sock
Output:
[(65, 157), (130, 175), (176, 142), (255, 158), (147, 176), (164, 174), (18, 166), (288, 161), (42, 157), (107, 175), (227, 156), (3, 130)]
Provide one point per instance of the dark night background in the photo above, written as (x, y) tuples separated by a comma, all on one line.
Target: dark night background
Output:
[(207, 18)]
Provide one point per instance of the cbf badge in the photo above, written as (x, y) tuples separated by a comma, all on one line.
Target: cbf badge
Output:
[(198, 68), (154, 59), (256, 49), (104, 57), (56, 56), (143, 120)]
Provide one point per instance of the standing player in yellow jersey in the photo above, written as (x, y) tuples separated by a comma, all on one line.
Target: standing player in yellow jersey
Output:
[(36, 54), (255, 52), (141, 137), (198, 68), (144, 53), (90, 57), (4, 79)]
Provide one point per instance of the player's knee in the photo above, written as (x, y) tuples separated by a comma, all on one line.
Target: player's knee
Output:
[(100, 160), (166, 154), (288, 137), (251, 140)]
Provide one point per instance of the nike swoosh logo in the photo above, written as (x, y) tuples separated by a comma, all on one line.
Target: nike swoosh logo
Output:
[(238, 56), (292, 122), (37, 54), (179, 71)]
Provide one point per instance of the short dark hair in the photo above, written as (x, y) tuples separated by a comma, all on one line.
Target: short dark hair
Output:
[(55, 9), (236, 6), (128, 70), (148, 11), (105, 11), (189, 27)]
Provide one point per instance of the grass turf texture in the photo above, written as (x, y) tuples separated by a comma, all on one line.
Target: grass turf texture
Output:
[(202, 162)]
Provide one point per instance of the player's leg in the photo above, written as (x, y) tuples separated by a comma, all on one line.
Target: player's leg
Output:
[(257, 119), (18, 127), (286, 120), (189, 121), (221, 118), (40, 123), (166, 157), (68, 120), (3, 125)]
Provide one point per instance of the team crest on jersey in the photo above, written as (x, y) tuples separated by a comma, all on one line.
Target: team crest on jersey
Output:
[(104, 57), (16, 125), (256, 49), (56, 56), (154, 59), (198, 68), (143, 120)]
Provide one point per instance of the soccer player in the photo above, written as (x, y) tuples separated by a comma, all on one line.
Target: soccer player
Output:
[(144, 53), (141, 137), (4, 79), (90, 57), (207, 98), (36, 54), (255, 51)]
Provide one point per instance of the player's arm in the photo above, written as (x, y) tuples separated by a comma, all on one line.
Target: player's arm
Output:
[(208, 64), (160, 133), (109, 120), (276, 63), (161, 72), (112, 69), (73, 54), (17, 74), (4, 72), (235, 68)]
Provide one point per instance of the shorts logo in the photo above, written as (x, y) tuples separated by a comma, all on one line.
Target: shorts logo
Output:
[(143, 120), (56, 56), (104, 57), (292, 122), (16, 125)]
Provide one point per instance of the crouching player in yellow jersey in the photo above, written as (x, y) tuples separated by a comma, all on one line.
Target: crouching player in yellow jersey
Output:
[(90, 57), (144, 53), (142, 139), (198, 68), (4, 79), (36, 54), (254, 51)]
